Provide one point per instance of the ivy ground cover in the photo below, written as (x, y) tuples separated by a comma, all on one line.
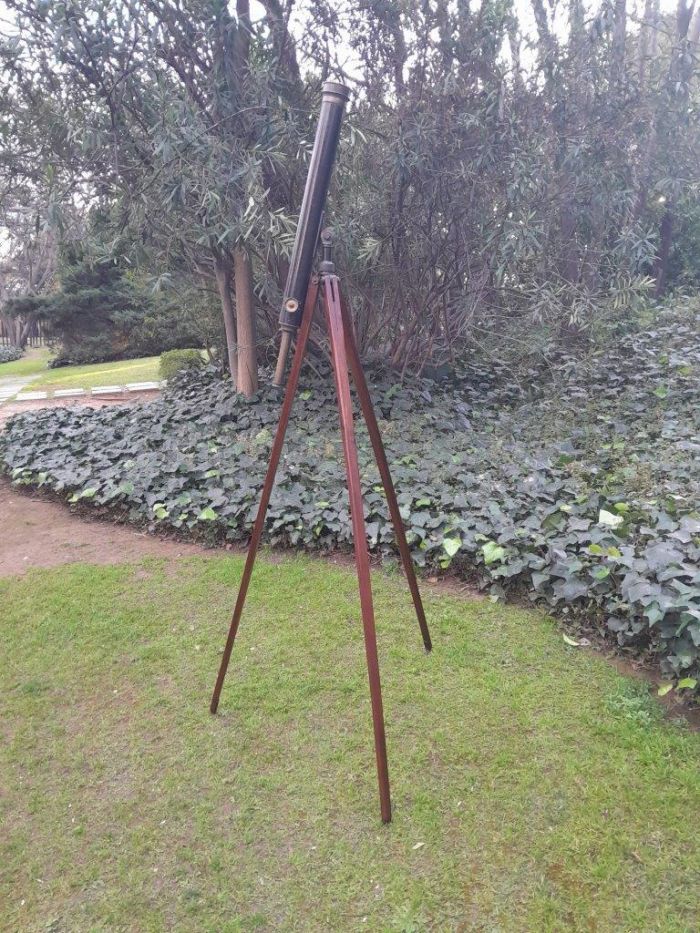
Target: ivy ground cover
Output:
[(578, 485), (531, 792)]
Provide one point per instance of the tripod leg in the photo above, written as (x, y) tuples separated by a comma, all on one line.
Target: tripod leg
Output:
[(267, 487), (331, 305), (380, 456)]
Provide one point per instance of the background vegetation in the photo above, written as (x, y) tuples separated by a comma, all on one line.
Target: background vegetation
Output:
[(511, 178), (516, 194)]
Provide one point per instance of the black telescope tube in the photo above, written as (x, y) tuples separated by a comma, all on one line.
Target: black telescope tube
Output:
[(333, 101)]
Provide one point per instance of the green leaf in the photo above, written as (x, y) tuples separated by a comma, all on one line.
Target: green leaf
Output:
[(664, 689), (570, 641), (207, 515), (610, 520), (492, 552), (687, 683), (451, 545)]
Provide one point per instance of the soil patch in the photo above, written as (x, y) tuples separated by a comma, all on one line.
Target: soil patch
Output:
[(37, 533)]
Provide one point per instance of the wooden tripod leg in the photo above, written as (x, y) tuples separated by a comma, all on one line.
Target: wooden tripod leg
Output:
[(383, 464), (330, 297), (275, 454)]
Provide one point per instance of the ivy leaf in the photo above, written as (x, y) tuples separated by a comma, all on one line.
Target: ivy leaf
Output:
[(664, 689), (207, 515), (687, 683), (451, 545), (607, 518), (492, 552)]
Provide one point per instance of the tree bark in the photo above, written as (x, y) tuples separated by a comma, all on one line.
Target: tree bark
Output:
[(222, 270), (648, 26), (247, 380), (665, 243), (619, 37), (694, 33), (24, 334)]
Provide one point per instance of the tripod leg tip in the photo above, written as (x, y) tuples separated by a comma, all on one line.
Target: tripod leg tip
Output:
[(213, 706)]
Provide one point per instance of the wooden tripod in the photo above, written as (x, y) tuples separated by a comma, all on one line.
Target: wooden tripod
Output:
[(344, 355)]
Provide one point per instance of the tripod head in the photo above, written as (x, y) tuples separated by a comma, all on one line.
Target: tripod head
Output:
[(330, 118)]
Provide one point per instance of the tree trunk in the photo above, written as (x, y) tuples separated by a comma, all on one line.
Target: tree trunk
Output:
[(24, 334), (222, 270), (694, 34), (648, 26), (245, 321), (665, 243), (617, 63)]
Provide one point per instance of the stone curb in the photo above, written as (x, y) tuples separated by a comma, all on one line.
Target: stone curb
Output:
[(78, 393)]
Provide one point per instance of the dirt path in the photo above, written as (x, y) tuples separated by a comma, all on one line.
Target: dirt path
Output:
[(38, 533)]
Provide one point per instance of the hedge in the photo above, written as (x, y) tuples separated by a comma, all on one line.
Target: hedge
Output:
[(583, 494), (9, 354), (173, 362)]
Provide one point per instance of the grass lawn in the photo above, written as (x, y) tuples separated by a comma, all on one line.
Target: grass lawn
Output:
[(120, 372), (534, 787), (33, 361)]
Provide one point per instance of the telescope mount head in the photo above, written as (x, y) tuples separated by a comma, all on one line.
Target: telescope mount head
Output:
[(327, 266)]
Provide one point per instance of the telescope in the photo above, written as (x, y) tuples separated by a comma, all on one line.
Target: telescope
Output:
[(302, 295), (333, 101)]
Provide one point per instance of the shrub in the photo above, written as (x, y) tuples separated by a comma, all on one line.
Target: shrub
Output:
[(585, 496), (10, 354), (102, 313), (176, 361)]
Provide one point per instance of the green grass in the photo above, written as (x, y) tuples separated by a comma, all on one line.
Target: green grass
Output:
[(33, 361), (534, 788), (120, 372)]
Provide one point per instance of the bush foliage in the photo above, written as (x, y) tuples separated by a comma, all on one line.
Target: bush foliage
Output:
[(176, 361), (101, 313), (583, 494), (9, 354)]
